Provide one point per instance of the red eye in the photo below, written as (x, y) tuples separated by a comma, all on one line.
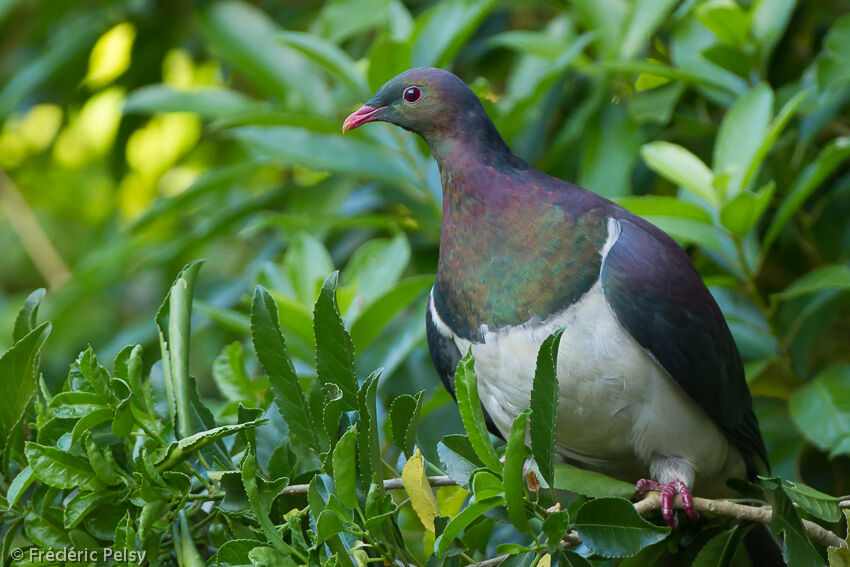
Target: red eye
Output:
[(412, 94)]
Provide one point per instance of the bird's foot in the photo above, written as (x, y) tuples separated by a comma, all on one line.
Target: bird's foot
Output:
[(668, 494)]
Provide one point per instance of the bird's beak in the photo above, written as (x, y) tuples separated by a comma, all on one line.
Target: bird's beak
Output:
[(361, 116)]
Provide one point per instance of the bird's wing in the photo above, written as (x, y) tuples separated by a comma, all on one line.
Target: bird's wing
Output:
[(444, 352), (657, 295), (446, 355)]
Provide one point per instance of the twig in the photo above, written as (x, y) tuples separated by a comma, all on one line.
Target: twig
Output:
[(389, 484), (761, 514)]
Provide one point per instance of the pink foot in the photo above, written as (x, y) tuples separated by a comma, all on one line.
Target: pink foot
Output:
[(668, 494)]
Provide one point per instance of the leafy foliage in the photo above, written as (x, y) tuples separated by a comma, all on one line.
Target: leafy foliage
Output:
[(123, 156)]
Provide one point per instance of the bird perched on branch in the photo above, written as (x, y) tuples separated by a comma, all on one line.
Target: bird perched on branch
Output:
[(651, 383)]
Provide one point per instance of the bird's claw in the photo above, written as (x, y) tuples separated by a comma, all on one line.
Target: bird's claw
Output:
[(668, 494)]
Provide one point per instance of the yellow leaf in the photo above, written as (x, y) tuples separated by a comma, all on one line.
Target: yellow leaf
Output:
[(545, 561), (419, 490), (110, 56)]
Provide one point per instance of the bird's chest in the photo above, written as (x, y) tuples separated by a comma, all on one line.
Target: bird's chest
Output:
[(601, 375)]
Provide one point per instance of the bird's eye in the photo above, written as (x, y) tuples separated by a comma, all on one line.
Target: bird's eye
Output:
[(412, 94)]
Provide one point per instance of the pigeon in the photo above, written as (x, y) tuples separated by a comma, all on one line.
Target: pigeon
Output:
[(651, 384)]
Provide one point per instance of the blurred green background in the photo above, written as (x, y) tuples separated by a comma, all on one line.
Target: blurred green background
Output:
[(137, 135)]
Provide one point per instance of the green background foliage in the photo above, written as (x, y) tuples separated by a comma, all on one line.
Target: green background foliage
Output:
[(137, 136)]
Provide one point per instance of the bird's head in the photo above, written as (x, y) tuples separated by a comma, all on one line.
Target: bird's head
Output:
[(426, 101)]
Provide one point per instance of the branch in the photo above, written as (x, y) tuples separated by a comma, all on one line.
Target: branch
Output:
[(761, 514), (389, 484), (652, 501)]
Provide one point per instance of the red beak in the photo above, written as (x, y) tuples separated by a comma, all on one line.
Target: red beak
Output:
[(361, 116)]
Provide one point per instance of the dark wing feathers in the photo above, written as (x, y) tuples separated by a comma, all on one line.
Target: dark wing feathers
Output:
[(659, 298), (445, 354)]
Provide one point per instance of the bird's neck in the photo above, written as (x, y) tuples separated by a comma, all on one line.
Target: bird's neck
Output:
[(472, 141)]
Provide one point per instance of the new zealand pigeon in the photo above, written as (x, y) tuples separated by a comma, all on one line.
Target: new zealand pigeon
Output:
[(651, 384)]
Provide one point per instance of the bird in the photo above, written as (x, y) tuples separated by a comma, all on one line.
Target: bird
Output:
[(651, 386)]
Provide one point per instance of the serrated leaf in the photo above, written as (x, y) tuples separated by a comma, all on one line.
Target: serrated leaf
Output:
[(334, 349), (229, 374), (18, 368), (371, 465), (590, 483), (513, 482), (19, 485), (813, 501), (80, 505), (27, 316), (460, 522), (404, 419), (798, 548), (469, 404), (612, 527), (182, 449), (720, 549), (57, 468), (544, 406), (419, 490), (271, 350), (345, 467), (459, 458)]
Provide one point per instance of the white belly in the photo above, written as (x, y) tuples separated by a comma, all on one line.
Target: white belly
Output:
[(619, 411)]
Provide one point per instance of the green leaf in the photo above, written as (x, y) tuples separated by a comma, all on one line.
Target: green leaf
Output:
[(682, 168), (307, 263), (798, 548), (246, 37), (646, 17), (513, 482), (330, 57), (821, 409), (590, 483), (26, 319), (260, 495), (81, 504), (460, 522), (371, 465), (345, 468), (657, 205), (743, 212), (328, 525), (327, 152), (377, 316), (769, 19), (776, 127), (404, 418), (609, 153), (555, 527), (459, 458), (443, 29), (742, 136), (544, 407), (836, 276), (182, 449), (720, 549), (612, 527), (274, 357), (813, 501), (830, 158), (57, 468), (466, 390), (96, 375), (387, 59), (726, 19), (19, 485), (341, 19), (334, 349), (208, 102), (18, 369), (75, 404), (375, 267), (230, 377), (486, 485)]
